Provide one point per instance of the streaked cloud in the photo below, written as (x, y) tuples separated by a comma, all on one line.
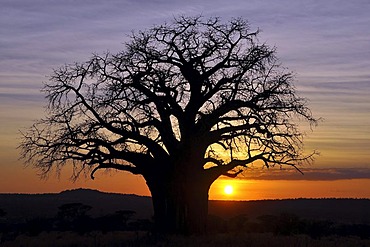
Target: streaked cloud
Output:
[(317, 174)]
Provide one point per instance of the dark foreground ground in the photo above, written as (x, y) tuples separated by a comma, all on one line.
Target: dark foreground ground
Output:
[(141, 239), (92, 218)]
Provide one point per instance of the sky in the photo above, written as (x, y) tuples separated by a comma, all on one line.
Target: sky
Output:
[(325, 43)]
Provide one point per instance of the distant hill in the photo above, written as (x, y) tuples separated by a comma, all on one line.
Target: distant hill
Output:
[(27, 206), (337, 210)]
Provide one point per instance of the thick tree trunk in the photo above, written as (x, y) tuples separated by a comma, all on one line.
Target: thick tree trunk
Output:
[(180, 206)]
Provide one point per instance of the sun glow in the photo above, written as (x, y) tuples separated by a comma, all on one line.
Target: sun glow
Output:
[(228, 189)]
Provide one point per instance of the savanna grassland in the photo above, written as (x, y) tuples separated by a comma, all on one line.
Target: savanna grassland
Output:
[(141, 239), (95, 219)]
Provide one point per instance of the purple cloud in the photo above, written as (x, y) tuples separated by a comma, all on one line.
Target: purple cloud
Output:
[(308, 174)]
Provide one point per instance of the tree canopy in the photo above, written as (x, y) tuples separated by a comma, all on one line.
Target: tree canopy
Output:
[(194, 96)]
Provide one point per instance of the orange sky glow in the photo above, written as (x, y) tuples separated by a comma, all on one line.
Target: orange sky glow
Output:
[(243, 189)]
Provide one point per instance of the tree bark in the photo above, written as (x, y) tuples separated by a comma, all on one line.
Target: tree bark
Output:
[(180, 205)]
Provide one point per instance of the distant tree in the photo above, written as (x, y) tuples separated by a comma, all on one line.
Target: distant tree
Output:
[(183, 104), (73, 216), (73, 211), (124, 215)]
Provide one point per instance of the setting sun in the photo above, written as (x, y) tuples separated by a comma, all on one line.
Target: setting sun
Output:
[(228, 189)]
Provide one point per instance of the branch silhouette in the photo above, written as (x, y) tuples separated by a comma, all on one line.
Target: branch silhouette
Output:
[(178, 97)]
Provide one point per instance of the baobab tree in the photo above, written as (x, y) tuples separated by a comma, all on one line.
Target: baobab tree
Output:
[(183, 104)]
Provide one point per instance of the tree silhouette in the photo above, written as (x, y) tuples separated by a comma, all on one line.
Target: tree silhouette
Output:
[(73, 216), (73, 211), (183, 104), (124, 216)]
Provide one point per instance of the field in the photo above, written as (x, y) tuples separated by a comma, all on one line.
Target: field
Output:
[(141, 239), (96, 219)]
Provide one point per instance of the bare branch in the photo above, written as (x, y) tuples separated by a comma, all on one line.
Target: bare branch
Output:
[(176, 91)]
